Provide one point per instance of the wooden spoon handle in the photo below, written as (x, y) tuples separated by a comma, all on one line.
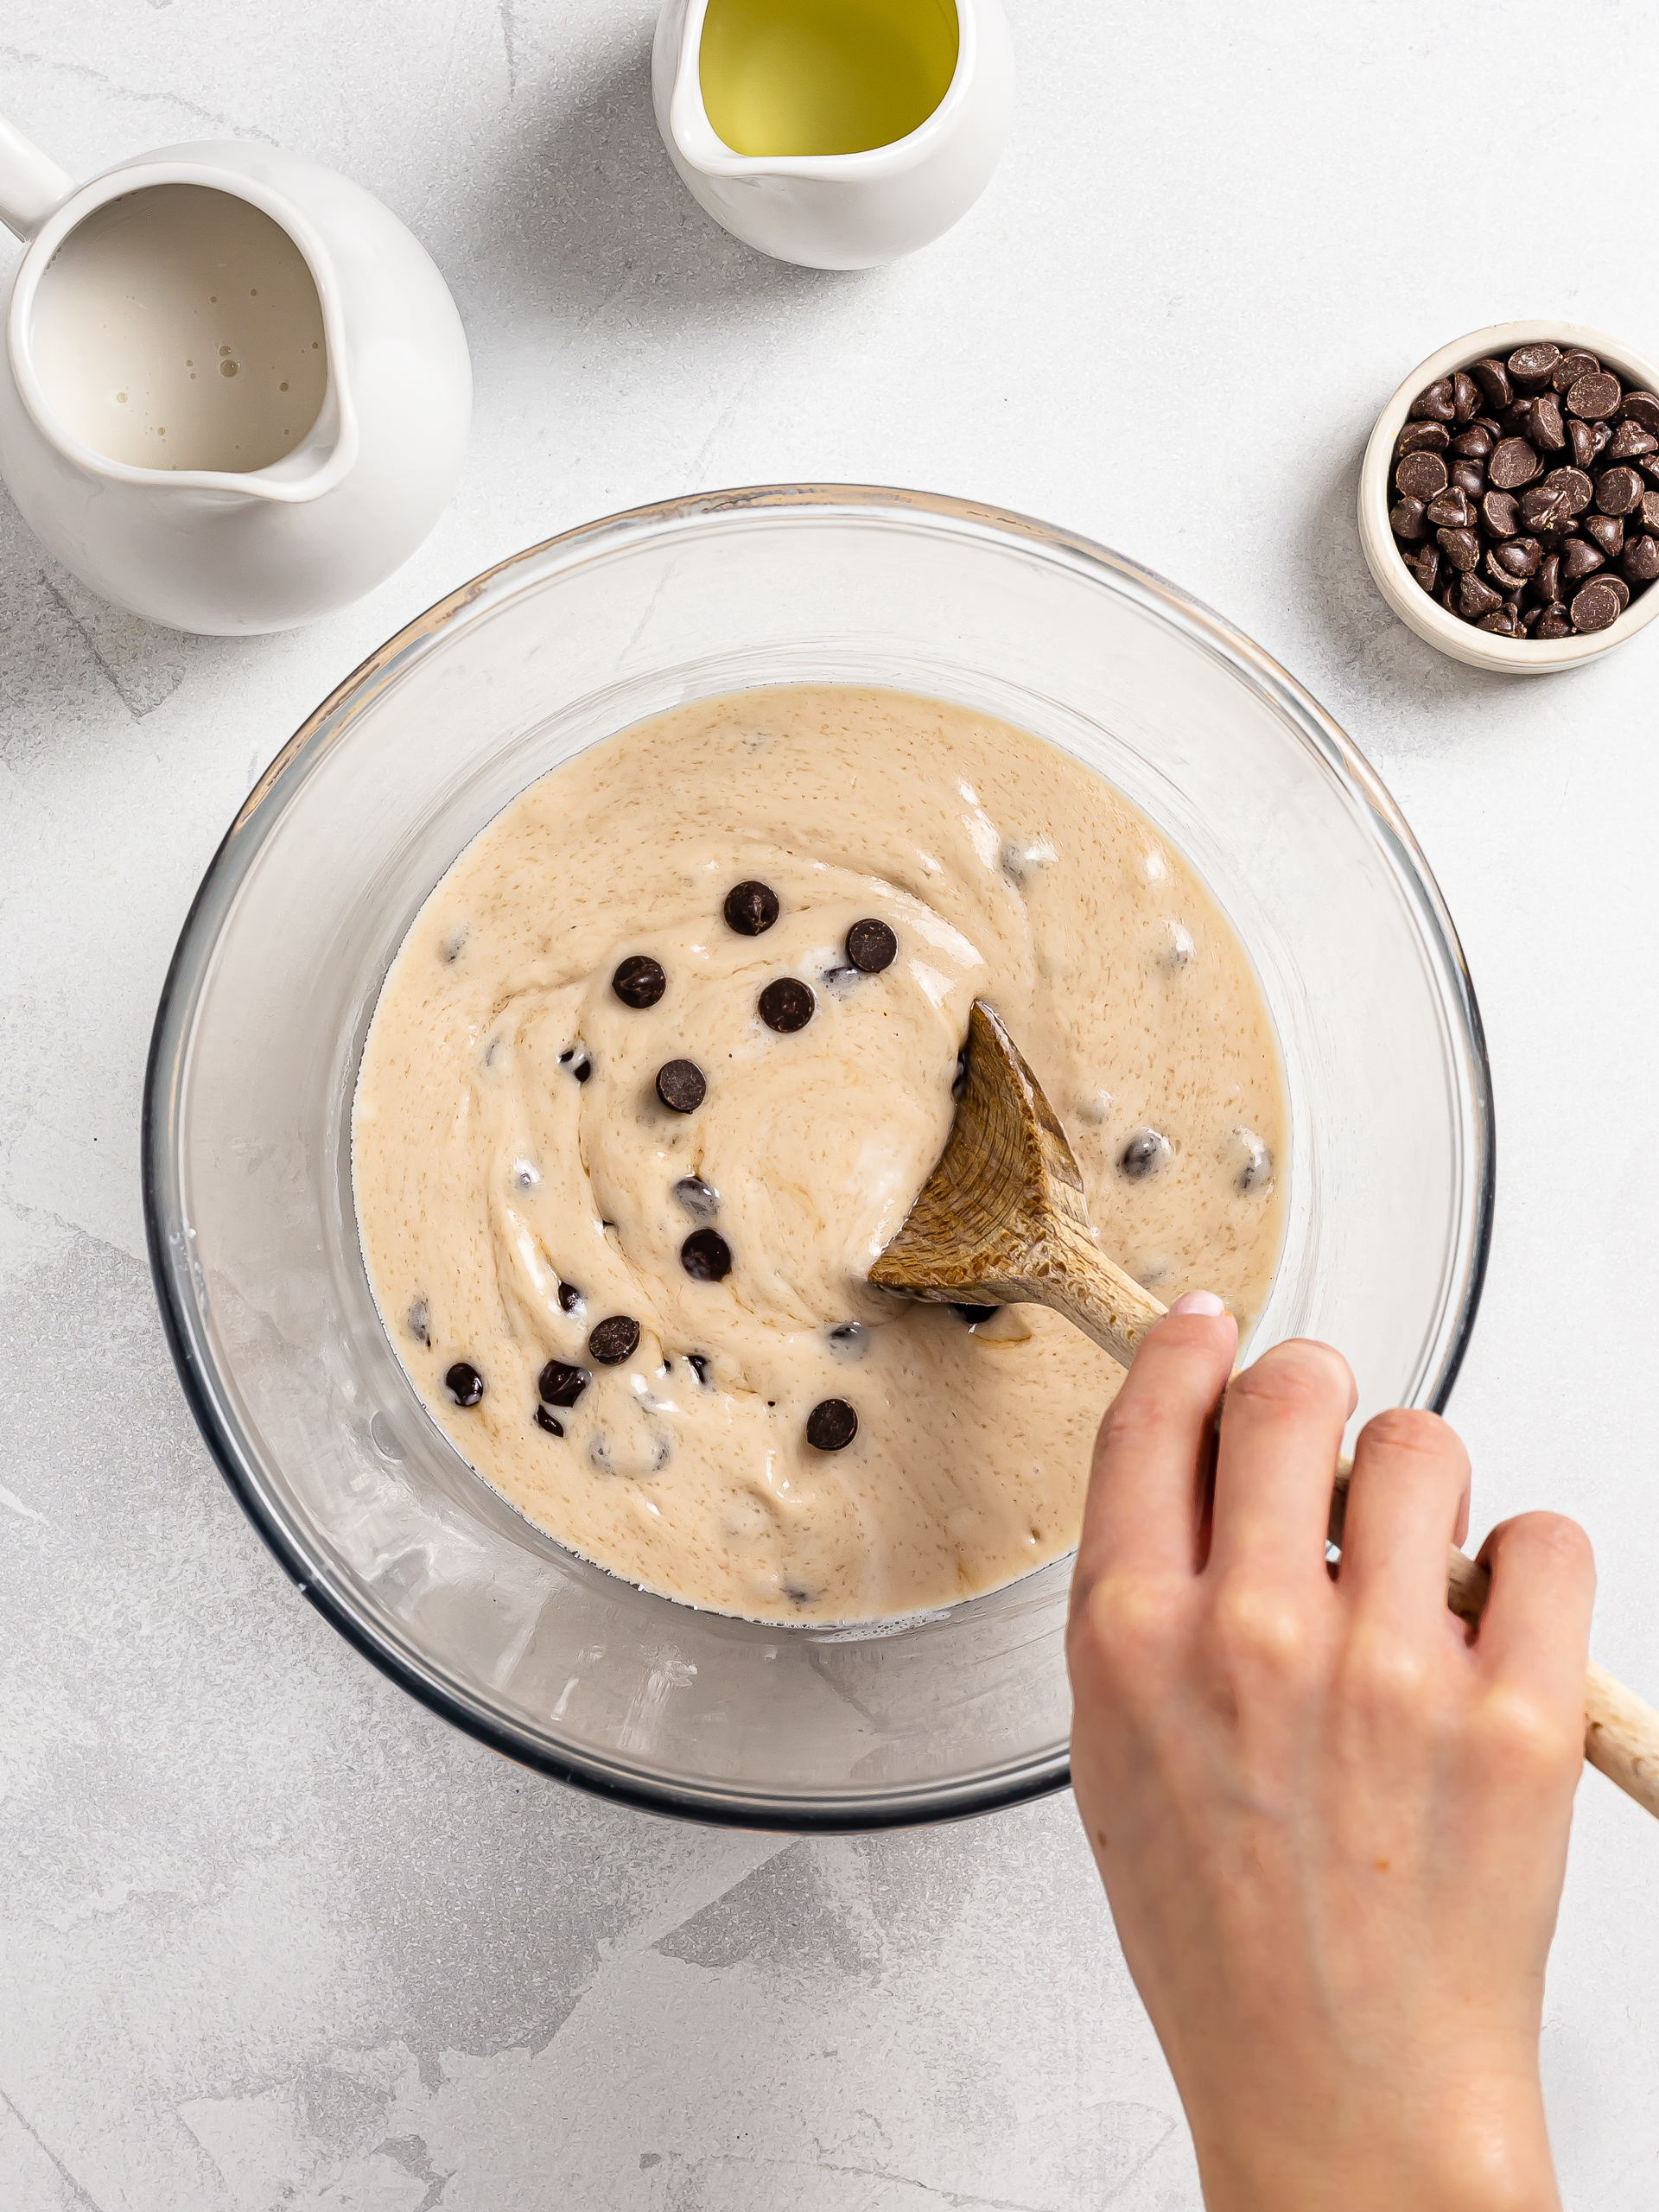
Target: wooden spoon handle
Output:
[(1621, 1734)]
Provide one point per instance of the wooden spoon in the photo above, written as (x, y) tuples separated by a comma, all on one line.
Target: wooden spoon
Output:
[(1003, 1221)]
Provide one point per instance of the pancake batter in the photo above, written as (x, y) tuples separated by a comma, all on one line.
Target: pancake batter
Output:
[(660, 1068)]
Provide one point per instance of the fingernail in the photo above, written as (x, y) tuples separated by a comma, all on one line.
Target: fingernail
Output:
[(1199, 1301)]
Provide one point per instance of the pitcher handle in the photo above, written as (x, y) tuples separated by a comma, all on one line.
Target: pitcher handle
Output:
[(31, 185)]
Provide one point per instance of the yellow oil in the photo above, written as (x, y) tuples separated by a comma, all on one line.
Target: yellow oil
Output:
[(823, 76)]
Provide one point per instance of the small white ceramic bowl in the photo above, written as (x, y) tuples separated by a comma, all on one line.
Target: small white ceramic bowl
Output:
[(1481, 648)]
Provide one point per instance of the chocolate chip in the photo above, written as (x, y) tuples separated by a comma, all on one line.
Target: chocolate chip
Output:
[(639, 981), (1571, 366), (872, 946), (1450, 509), (545, 1419), (698, 1364), (1607, 532), (1646, 516), (1492, 379), (419, 1322), (1593, 398), (1617, 490), (1475, 443), (1547, 582), (1642, 560), (706, 1256), (1579, 558), (1546, 428), (614, 1339), (1616, 584), (832, 1425), (464, 1384), (682, 1086), (1629, 442), (1465, 397), (1406, 520), (1582, 440), (1641, 407), (1576, 485), (569, 1297), (1505, 623), (1519, 557), (1500, 513), (751, 908), (1421, 476), (1435, 404), (561, 1385), (973, 1315), (1425, 565), (700, 1199), (1530, 366), (1513, 464), (1144, 1153), (1553, 622), (1469, 478), (1595, 606), (787, 1005), (1460, 547), (582, 1069), (1424, 437), (1546, 507), (1476, 598)]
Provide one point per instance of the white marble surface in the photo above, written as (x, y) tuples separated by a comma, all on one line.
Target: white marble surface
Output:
[(270, 1934)]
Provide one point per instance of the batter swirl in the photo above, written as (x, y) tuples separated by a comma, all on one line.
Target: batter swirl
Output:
[(662, 1064)]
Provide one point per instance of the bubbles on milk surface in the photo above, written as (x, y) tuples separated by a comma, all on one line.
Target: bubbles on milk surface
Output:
[(133, 310)]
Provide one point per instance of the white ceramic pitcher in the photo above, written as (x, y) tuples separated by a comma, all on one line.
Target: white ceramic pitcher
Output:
[(842, 211), (231, 551)]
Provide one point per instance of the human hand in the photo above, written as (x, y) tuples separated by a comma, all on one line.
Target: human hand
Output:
[(1332, 1827)]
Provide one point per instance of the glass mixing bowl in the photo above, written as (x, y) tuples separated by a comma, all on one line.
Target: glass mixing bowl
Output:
[(247, 1178)]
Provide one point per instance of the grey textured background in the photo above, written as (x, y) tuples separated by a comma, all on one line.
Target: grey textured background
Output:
[(271, 1936)]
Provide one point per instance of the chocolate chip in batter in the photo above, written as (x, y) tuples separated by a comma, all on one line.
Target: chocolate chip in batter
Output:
[(706, 1256), (751, 908), (681, 1086), (848, 1339), (698, 1364), (787, 1005), (464, 1384), (973, 1315), (569, 1297), (832, 1425), (561, 1385), (1251, 1160), (1144, 1155), (959, 1081), (639, 981), (700, 1199), (872, 946), (420, 1327), (544, 1420), (583, 1069), (614, 1339)]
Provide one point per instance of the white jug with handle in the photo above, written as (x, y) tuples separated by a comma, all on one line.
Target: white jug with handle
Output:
[(307, 351), (786, 83)]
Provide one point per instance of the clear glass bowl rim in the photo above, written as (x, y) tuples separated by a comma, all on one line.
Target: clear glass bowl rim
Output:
[(330, 722)]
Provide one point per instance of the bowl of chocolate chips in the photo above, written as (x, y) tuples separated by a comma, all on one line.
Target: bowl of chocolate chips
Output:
[(1508, 498)]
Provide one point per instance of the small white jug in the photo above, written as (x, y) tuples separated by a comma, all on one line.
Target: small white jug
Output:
[(232, 551), (841, 211)]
